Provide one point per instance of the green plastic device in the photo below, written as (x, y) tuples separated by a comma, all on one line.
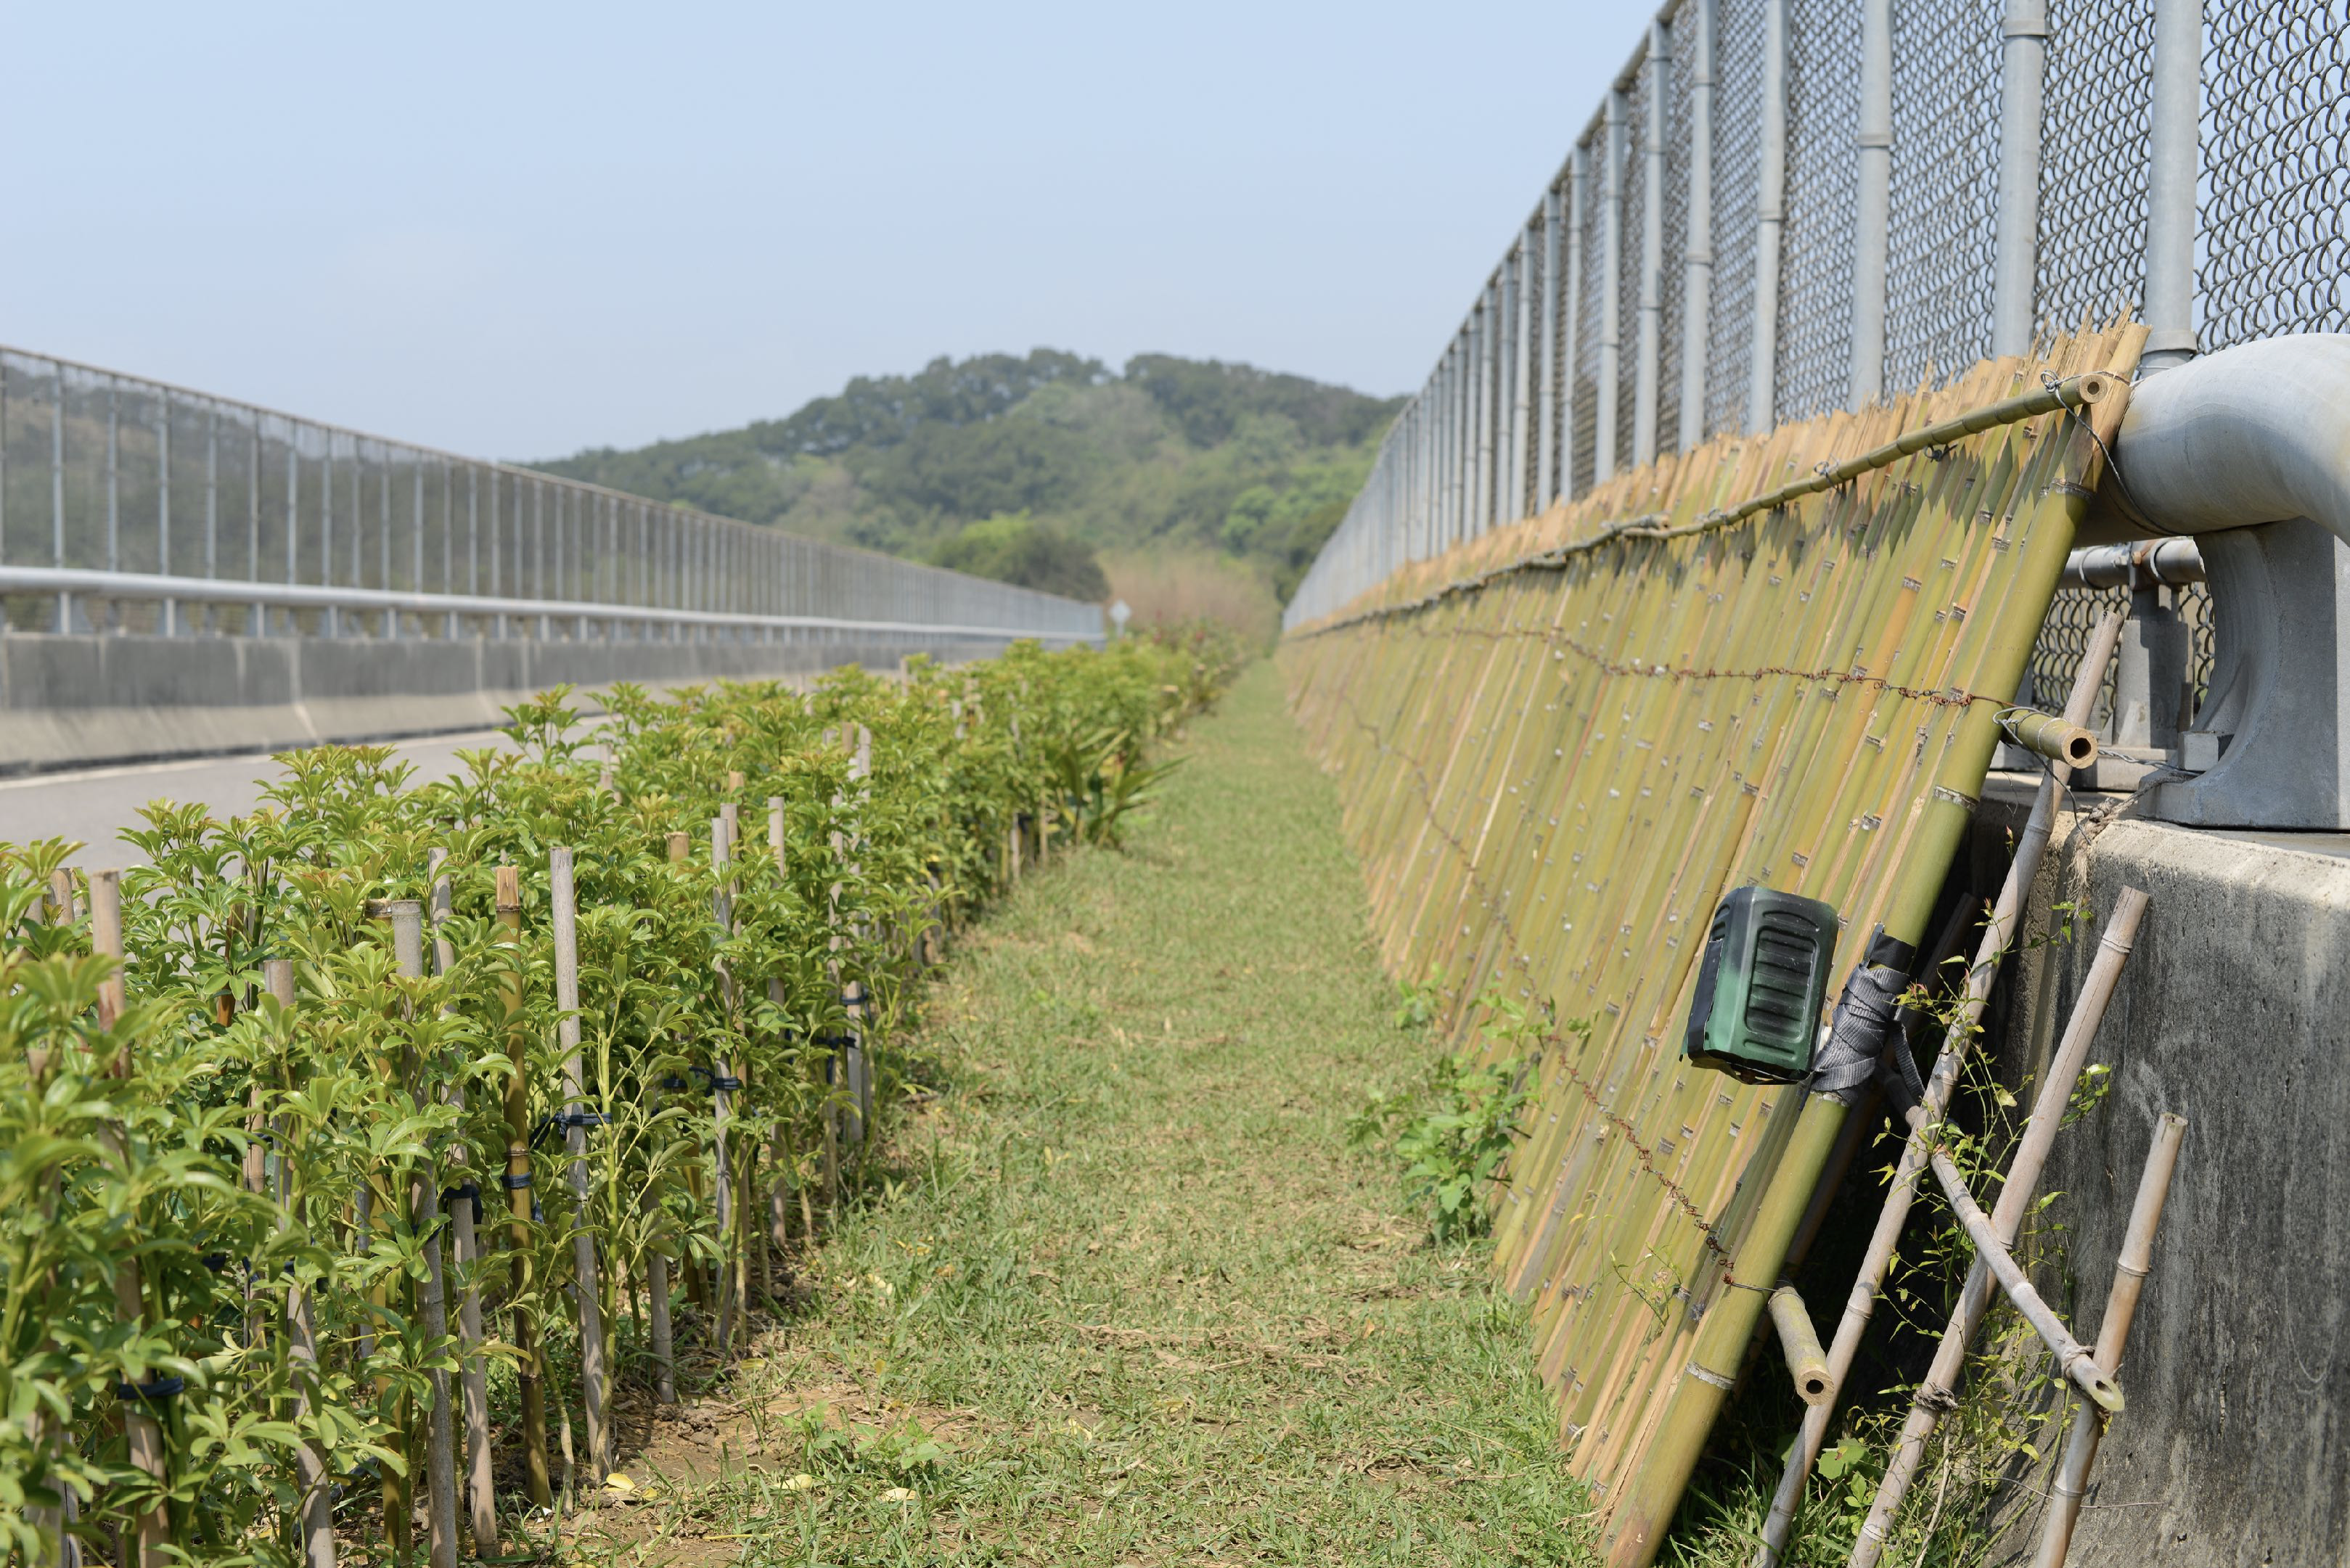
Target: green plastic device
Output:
[(1760, 986)]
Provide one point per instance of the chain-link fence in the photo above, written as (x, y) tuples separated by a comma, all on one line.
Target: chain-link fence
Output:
[(105, 473), (1790, 324)]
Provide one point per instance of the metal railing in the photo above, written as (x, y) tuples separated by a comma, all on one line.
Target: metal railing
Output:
[(1786, 206), (151, 508)]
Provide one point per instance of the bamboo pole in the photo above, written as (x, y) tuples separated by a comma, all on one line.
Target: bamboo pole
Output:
[(2007, 1218), (2074, 1360), (529, 1370), (142, 1433), (2130, 1270), (1998, 933), (407, 916), (2058, 738), (1807, 1363), (594, 1389), (480, 1488)]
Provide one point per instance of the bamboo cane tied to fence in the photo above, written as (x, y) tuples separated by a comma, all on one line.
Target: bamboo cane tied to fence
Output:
[(1556, 747)]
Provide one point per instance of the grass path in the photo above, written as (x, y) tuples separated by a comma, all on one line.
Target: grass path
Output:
[(1133, 1299)]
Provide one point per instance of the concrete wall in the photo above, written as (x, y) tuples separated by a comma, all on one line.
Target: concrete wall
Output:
[(2234, 1012), (74, 701)]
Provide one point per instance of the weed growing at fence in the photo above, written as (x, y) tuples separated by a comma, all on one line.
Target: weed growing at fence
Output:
[(304, 1212)]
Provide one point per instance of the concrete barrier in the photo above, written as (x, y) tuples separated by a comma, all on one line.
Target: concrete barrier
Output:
[(2234, 1012), (83, 700)]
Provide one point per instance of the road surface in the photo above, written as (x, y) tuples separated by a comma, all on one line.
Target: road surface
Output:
[(96, 804)]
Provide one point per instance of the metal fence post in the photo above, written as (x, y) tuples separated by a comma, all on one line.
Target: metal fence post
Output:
[(1872, 200), (2173, 159), (1526, 307), (2022, 75), (58, 494), (1546, 399), (1771, 221), (1696, 299), (1647, 370), (1611, 289), (171, 609), (1578, 195)]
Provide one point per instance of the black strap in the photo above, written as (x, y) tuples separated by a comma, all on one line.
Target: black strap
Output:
[(469, 1193), (1867, 1016), (718, 1081), (154, 1391), (514, 1183)]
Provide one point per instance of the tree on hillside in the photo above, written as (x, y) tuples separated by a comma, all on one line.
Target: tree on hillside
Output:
[(1013, 547)]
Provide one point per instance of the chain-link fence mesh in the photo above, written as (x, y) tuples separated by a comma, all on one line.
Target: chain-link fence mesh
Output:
[(2073, 614), (2093, 164), (1737, 171), (1945, 189), (2275, 250), (1815, 371)]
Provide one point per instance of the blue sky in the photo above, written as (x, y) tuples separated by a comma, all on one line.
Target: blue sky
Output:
[(518, 230)]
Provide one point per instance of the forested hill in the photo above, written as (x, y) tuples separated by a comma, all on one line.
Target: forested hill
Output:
[(1023, 468)]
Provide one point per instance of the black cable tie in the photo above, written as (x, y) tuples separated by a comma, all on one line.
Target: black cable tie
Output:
[(674, 1082), (469, 1193), (718, 1081), (514, 1183), (215, 1262), (152, 1392)]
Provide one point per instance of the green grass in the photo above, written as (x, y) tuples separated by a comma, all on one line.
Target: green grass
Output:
[(1127, 1296)]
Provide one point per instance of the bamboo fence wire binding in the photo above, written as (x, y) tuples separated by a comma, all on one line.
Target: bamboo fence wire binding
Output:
[(2015, 1199), (2130, 1270), (1958, 1041), (1636, 703)]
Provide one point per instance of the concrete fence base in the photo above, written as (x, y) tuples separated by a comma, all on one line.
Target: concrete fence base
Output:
[(82, 700)]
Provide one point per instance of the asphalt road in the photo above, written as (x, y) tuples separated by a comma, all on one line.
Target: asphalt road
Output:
[(96, 804)]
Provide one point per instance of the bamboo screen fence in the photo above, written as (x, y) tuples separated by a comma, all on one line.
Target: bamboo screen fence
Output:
[(1557, 747)]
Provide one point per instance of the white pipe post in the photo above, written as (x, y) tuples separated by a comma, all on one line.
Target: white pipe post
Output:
[(2172, 170), (2015, 267), (1546, 399), (1611, 289), (1528, 309), (1578, 192), (1647, 370), (1697, 280), (1872, 201)]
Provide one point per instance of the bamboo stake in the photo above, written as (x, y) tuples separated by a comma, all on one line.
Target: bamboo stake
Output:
[(317, 1509), (518, 1183), (678, 847), (2130, 1270), (779, 1152), (2007, 911), (142, 1432), (480, 1489), (424, 1201), (722, 909), (563, 913), (2014, 1201)]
